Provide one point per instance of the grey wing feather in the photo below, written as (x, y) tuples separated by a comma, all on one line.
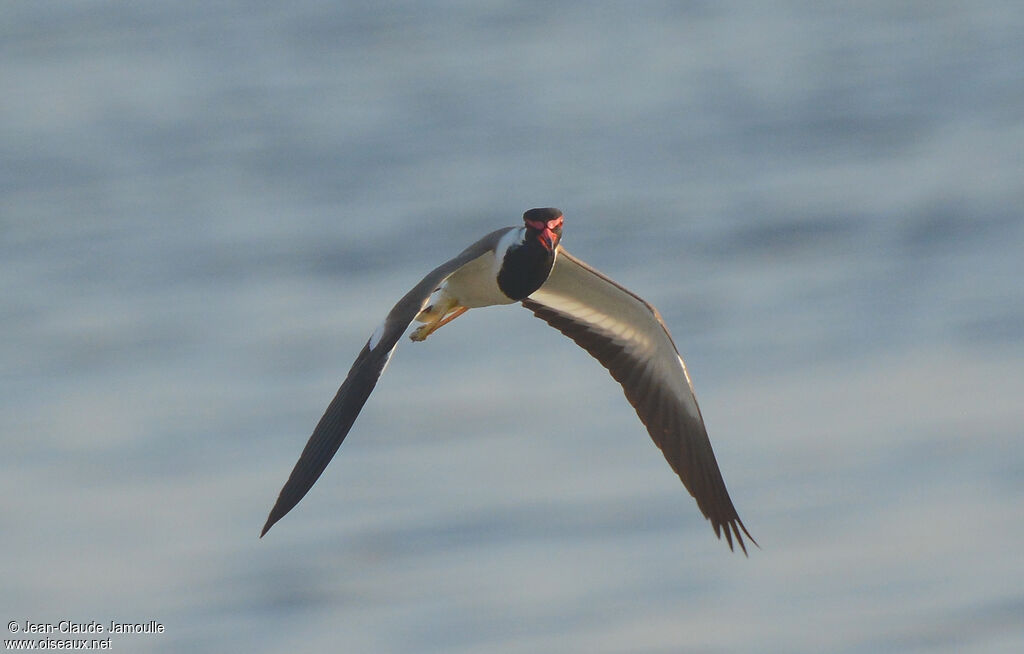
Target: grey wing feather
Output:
[(361, 380), (627, 336)]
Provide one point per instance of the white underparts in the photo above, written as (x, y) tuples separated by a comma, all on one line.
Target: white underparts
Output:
[(476, 283)]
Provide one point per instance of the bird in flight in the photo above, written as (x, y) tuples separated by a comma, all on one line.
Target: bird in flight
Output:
[(617, 327)]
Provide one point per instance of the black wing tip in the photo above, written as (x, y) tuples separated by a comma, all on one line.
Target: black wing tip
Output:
[(266, 528), (287, 500), (735, 527), (275, 514)]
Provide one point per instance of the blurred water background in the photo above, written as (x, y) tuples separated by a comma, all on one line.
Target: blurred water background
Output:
[(206, 207)]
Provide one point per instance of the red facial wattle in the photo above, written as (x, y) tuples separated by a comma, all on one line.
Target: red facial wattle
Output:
[(546, 231)]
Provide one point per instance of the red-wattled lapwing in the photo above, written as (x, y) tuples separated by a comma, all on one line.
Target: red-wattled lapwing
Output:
[(527, 264)]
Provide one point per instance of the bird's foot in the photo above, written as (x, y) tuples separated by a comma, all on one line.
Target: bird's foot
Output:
[(421, 333), (426, 329)]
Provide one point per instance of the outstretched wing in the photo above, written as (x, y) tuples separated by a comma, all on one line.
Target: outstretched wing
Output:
[(362, 377), (628, 337)]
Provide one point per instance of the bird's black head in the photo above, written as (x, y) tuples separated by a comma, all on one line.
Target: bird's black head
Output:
[(545, 225)]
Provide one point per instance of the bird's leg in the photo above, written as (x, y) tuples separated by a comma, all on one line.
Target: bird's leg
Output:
[(431, 326)]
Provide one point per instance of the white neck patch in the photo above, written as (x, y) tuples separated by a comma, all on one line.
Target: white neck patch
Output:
[(511, 237)]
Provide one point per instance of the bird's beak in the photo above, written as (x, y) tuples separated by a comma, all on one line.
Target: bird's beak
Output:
[(546, 231), (548, 238)]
